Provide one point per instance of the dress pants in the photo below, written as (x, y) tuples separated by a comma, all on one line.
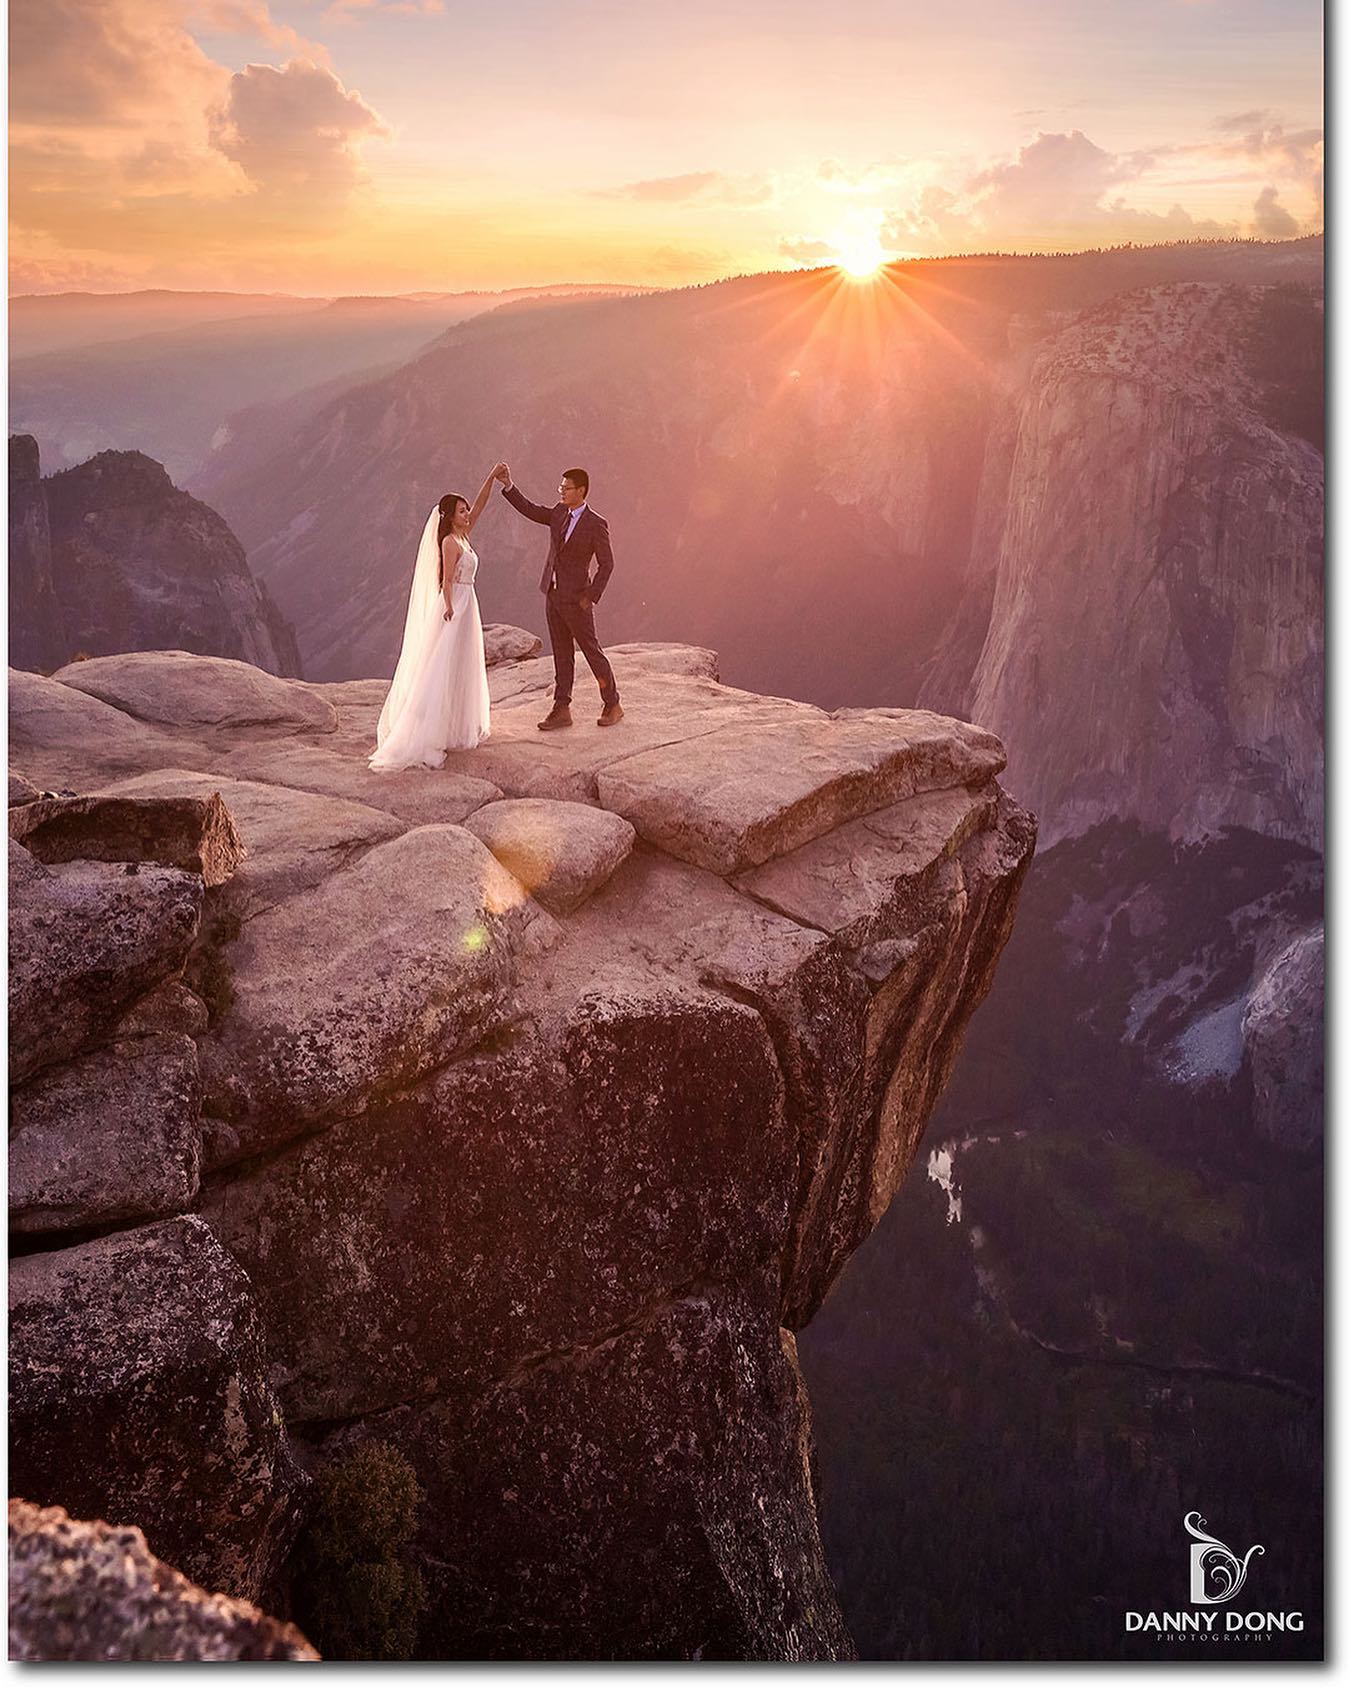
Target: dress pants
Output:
[(568, 626)]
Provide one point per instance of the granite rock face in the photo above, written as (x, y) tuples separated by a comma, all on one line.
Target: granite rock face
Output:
[(138, 1394), (111, 556), (532, 1127), (114, 1135), (85, 939), (1283, 1029), (1148, 512), (95, 1593)]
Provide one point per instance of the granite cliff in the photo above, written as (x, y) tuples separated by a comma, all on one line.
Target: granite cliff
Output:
[(514, 1116), (112, 556), (1145, 620)]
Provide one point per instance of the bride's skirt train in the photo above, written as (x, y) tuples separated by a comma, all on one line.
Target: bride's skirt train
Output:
[(448, 706)]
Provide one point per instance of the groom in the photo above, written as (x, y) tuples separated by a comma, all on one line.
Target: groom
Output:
[(576, 537)]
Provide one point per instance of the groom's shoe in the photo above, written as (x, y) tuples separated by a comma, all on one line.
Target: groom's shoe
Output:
[(613, 712), (558, 715)]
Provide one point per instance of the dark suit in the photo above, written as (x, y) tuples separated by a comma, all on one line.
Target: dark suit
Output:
[(565, 580)]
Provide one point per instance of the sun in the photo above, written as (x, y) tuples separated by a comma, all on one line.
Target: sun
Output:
[(860, 253)]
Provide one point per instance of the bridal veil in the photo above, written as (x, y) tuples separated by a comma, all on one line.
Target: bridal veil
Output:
[(424, 611)]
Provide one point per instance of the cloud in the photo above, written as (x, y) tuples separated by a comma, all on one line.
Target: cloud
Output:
[(253, 18), (66, 275), (808, 252), (295, 131), (1270, 219), (348, 9), (1296, 155), (700, 187), (871, 178), (1238, 121), (90, 63), (1062, 190), (131, 148)]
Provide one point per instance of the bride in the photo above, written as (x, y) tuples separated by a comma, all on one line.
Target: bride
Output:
[(438, 700)]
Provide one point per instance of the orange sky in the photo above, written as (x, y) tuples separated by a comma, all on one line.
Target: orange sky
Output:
[(400, 145)]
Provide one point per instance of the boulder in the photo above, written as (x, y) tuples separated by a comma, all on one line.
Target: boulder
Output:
[(94, 1593), (504, 643), (175, 688), (66, 738), (113, 1136), (193, 832), (292, 839), (86, 939), (361, 985), (692, 660), (21, 789), (138, 1395), (1283, 1028), (561, 852), (738, 796)]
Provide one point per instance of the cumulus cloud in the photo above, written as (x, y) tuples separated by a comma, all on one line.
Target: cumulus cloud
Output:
[(123, 63), (1295, 155), (130, 145), (1270, 220), (699, 187), (295, 131), (1061, 190)]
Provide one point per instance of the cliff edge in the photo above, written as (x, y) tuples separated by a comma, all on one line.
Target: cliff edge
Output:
[(514, 1114)]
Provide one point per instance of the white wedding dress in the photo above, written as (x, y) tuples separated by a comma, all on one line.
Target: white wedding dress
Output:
[(438, 699)]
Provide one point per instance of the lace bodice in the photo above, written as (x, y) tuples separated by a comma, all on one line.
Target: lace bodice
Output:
[(465, 565)]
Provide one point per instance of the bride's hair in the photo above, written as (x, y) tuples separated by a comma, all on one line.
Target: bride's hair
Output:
[(447, 506)]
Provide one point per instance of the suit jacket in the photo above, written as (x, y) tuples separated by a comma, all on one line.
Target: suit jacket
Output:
[(570, 563)]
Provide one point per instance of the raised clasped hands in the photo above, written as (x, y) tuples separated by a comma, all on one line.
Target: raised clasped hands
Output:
[(502, 473)]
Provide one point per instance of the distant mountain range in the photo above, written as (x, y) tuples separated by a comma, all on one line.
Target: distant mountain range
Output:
[(162, 372)]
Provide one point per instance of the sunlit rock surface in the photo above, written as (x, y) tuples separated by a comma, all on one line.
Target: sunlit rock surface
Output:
[(541, 1098), (1151, 641)]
